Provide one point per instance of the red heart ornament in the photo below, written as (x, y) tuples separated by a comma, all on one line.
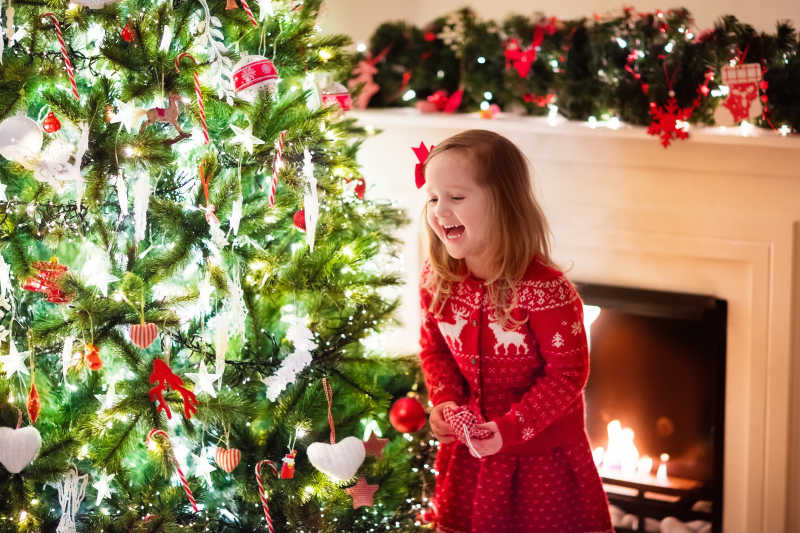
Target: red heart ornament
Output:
[(143, 335), (227, 459)]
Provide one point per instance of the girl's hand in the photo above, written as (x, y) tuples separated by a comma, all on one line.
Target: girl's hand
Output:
[(490, 446), (441, 429)]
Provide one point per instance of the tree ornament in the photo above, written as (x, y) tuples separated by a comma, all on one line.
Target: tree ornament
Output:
[(231, 4), (14, 362), (335, 94), (128, 114), (34, 403), (198, 93), (18, 447), (358, 187), (262, 494), (64, 55), (103, 487), (141, 202), (163, 374), (245, 137), (338, 460), (287, 469), (311, 201), (374, 445), (127, 32), (203, 381), (150, 443), (742, 102), (276, 167), (252, 74), (91, 354), (362, 493), (303, 340), (168, 114), (20, 139), (71, 491), (407, 415), (47, 279), (51, 124), (299, 220), (227, 458), (143, 334), (95, 4)]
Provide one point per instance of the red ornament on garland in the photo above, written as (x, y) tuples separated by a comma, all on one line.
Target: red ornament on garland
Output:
[(91, 354), (407, 415), (127, 32), (299, 220), (51, 124)]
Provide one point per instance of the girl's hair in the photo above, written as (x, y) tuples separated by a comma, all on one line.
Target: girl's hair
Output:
[(522, 232)]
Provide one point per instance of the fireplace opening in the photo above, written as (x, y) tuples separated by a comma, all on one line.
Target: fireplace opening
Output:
[(655, 405)]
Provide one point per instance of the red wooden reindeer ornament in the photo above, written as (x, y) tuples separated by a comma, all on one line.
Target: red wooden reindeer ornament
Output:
[(163, 374)]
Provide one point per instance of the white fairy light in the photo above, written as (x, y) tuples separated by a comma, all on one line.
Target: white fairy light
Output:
[(409, 95), (488, 95), (592, 122), (784, 130), (481, 60), (622, 42), (361, 47)]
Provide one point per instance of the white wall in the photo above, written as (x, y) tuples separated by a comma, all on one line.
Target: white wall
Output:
[(359, 18)]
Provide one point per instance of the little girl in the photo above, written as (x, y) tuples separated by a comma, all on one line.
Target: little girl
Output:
[(502, 335)]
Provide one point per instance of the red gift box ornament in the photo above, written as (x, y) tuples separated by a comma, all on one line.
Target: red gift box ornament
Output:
[(143, 335), (287, 470), (227, 459)]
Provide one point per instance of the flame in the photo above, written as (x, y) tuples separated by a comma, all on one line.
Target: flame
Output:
[(621, 457)]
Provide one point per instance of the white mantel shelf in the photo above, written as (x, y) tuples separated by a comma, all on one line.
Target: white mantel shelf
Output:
[(715, 214)]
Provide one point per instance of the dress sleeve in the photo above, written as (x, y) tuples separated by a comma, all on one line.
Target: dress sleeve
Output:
[(557, 326), (443, 379)]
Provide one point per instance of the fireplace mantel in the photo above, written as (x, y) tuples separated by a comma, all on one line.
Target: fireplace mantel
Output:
[(716, 214)]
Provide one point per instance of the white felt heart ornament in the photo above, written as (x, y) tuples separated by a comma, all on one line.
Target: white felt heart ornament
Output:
[(339, 461), (18, 447)]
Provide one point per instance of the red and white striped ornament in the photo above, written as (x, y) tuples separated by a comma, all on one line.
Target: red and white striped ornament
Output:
[(227, 459), (249, 12), (198, 92), (143, 335), (67, 64), (261, 492), (158, 432), (276, 167)]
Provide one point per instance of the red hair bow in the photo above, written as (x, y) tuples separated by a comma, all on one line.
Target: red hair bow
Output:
[(419, 171)]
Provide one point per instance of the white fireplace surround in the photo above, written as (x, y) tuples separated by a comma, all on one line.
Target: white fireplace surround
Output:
[(717, 214)]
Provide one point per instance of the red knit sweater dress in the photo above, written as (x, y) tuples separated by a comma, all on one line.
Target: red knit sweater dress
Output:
[(530, 382)]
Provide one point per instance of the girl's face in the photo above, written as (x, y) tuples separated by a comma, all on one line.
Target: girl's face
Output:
[(459, 210)]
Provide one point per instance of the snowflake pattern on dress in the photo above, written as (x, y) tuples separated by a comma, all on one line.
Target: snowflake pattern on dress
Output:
[(576, 328), (528, 433), (558, 340)]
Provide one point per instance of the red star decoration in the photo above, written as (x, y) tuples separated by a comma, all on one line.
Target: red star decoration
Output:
[(665, 121), (362, 493), (374, 445)]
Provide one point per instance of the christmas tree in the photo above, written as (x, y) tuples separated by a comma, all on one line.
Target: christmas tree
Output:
[(190, 276)]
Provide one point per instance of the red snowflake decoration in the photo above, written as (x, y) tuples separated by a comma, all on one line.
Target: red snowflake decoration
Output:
[(665, 121)]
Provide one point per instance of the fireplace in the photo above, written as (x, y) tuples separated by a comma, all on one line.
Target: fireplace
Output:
[(656, 400), (714, 215)]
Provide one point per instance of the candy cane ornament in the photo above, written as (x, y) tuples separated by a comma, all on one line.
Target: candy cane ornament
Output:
[(198, 92), (276, 168), (158, 432), (261, 492), (67, 64), (249, 12)]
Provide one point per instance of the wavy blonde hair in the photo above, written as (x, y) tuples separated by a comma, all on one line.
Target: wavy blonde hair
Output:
[(522, 231)]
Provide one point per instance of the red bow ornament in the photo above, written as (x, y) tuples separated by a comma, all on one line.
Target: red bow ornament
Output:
[(522, 59), (441, 101), (419, 171)]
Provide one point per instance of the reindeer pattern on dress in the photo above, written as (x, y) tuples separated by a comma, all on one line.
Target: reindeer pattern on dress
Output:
[(452, 332), (506, 338)]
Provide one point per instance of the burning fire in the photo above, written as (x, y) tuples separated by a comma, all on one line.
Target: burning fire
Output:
[(621, 458)]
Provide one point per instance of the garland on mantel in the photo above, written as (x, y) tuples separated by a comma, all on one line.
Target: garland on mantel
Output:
[(656, 69)]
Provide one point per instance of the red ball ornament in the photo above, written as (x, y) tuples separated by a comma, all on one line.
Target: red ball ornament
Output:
[(127, 32), (407, 415), (299, 220), (51, 123)]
